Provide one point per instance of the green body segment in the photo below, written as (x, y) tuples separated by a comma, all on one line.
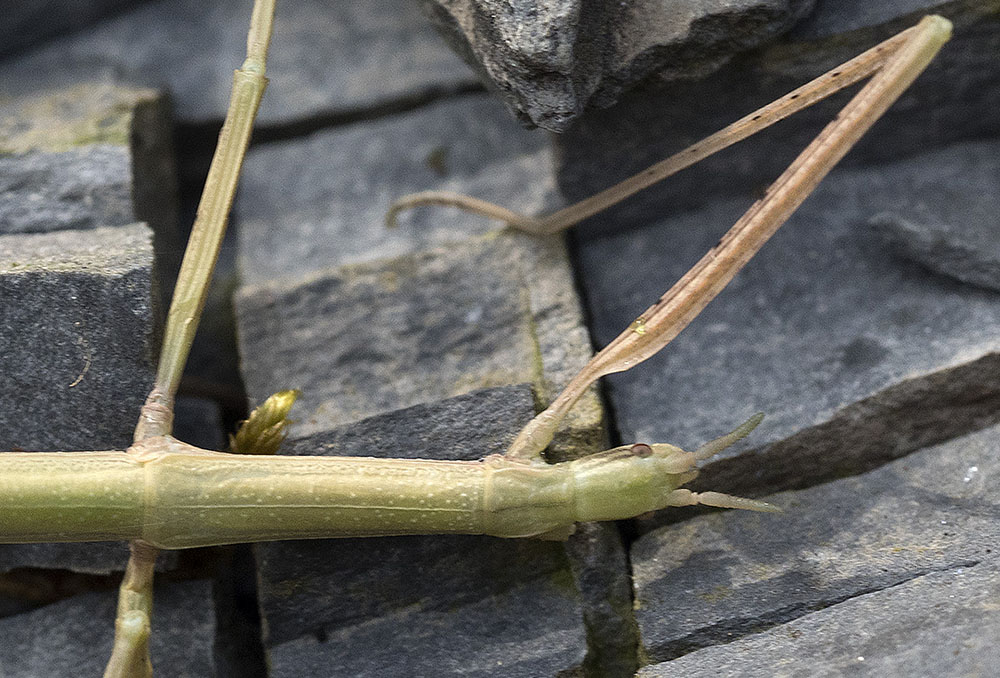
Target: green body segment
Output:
[(172, 495), (83, 496)]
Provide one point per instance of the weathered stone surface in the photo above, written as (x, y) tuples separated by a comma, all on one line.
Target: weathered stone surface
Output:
[(938, 624), (469, 426), (551, 60), (327, 58), (855, 355), (320, 201), (87, 156), (527, 632), (73, 637), (351, 593), (77, 318), (953, 227), (711, 579), (375, 337), (28, 22), (956, 98)]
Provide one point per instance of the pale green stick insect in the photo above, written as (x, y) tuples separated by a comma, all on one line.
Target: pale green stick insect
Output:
[(162, 493)]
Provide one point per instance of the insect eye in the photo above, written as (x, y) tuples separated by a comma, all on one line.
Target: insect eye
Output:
[(642, 450)]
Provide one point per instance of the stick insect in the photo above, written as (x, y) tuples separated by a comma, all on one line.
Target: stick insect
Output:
[(162, 493)]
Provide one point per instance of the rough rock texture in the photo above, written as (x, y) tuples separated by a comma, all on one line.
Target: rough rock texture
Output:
[(525, 632), (317, 203), (86, 156), (328, 58), (952, 226), (320, 201), (846, 381), (370, 324), (73, 637), (551, 60), (938, 624), (29, 22), (956, 98), (77, 315), (710, 580)]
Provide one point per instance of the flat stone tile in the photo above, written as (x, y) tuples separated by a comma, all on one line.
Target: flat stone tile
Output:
[(74, 636), (715, 578), (938, 624), (89, 156), (319, 201), (375, 337), (77, 318), (526, 632)]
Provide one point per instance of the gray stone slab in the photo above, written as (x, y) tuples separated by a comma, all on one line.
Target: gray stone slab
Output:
[(29, 22), (956, 98), (939, 624), (551, 60), (320, 201), (77, 318), (527, 632), (326, 58), (85, 156), (375, 337), (74, 636), (855, 355), (714, 578), (952, 228)]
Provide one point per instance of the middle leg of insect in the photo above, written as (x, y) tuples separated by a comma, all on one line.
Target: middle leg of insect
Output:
[(173, 495)]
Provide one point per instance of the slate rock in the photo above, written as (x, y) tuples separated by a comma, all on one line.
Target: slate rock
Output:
[(73, 637), (955, 99), (938, 624), (77, 319), (856, 356), (714, 578), (375, 337), (527, 632), (952, 227), (31, 21), (326, 58), (551, 60), (350, 593), (469, 426), (320, 201), (86, 156)]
